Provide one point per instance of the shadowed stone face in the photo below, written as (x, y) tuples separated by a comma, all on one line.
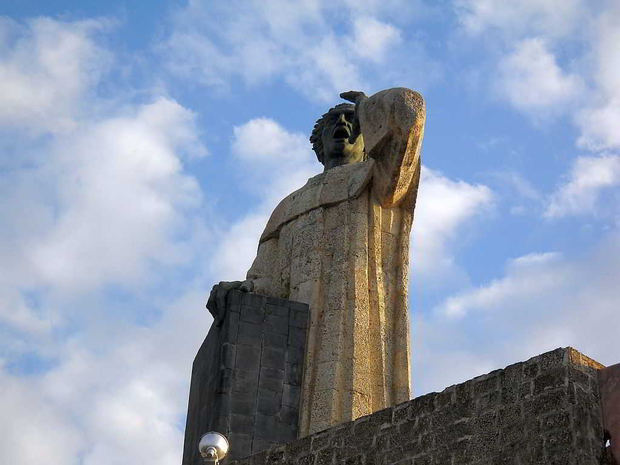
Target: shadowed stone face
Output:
[(340, 137)]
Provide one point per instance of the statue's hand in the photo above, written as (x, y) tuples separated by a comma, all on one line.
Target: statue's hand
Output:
[(354, 96), (217, 299)]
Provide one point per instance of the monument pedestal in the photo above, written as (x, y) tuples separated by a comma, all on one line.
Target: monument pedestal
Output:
[(246, 376), (546, 410)]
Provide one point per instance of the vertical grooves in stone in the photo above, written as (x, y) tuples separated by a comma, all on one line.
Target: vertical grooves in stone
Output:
[(345, 371), (400, 386), (313, 342), (375, 291), (260, 358)]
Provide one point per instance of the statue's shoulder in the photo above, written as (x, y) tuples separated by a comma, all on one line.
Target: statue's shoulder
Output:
[(333, 186)]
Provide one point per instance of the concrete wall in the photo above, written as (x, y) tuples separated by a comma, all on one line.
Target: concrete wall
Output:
[(246, 376), (542, 411)]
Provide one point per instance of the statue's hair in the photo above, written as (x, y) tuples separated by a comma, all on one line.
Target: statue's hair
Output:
[(315, 137)]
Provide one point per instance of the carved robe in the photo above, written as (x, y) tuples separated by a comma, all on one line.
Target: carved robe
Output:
[(341, 245)]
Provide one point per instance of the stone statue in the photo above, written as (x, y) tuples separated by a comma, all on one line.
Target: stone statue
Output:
[(341, 245)]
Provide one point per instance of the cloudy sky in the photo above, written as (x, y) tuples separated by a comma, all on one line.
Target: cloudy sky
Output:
[(144, 144)]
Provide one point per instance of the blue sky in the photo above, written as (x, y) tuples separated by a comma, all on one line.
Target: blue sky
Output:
[(144, 144)]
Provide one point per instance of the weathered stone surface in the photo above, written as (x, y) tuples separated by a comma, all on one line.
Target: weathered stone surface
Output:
[(546, 410), (341, 245), (246, 376), (329, 188)]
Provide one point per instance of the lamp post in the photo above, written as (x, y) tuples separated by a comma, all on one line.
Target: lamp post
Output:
[(213, 447)]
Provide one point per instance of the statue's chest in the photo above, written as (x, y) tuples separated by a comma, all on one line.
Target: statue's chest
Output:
[(324, 191)]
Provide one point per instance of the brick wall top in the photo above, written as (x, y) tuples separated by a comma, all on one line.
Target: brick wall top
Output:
[(545, 410)]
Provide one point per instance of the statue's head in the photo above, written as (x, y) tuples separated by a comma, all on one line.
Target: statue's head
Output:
[(336, 137)]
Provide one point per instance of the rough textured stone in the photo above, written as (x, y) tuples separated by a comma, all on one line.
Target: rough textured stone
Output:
[(546, 410), (341, 245), (246, 376)]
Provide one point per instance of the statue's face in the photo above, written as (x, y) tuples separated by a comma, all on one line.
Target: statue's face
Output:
[(341, 143)]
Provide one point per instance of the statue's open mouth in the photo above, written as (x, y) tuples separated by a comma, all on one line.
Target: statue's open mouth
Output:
[(341, 132)]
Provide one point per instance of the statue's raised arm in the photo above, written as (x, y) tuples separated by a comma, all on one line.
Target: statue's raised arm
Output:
[(392, 127)]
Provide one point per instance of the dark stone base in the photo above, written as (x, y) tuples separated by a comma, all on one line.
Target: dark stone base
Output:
[(546, 410), (246, 376)]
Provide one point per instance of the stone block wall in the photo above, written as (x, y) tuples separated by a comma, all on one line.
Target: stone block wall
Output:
[(542, 411), (246, 376)]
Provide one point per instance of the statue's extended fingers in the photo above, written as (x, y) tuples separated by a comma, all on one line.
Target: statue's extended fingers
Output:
[(350, 95), (247, 286)]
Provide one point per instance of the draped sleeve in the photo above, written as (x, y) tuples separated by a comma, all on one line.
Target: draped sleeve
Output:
[(392, 124)]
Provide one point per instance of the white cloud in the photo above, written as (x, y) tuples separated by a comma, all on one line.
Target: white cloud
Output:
[(121, 196), (524, 196), (304, 44), (92, 212), (372, 38), (129, 401), (608, 59), (264, 141), (441, 358), (275, 162), (524, 280), (542, 301), (531, 79), (562, 59), (600, 119), (600, 125), (262, 41), (589, 177), (37, 430), (46, 67), (515, 18), (115, 393), (96, 202), (99, 205), (237, 248), (396, 10), (17, 313), (443, 208), (549, 293)]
